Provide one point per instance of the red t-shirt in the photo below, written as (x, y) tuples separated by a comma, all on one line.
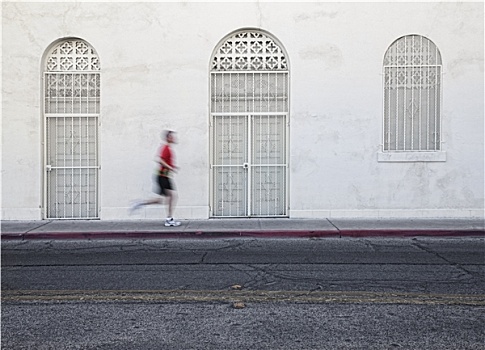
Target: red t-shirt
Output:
[(167, 157)]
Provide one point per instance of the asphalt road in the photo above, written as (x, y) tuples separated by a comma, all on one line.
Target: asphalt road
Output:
[(331, 293)]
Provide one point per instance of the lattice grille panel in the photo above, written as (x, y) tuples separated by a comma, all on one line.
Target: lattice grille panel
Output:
[(72, 55), (412, 95), (249, 51)]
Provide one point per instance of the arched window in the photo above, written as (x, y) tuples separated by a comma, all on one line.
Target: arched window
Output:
[(249, 126), (412, 95), (71, 111)]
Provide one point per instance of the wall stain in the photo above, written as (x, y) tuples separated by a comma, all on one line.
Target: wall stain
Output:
[(329, 54), (302, 17)]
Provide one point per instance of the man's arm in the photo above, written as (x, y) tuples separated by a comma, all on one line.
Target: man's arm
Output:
[(165, 164)]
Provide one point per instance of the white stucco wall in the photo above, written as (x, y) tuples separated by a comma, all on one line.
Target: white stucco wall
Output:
[(155, 75)]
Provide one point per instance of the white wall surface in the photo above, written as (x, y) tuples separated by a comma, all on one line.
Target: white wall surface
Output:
[(155, 60)]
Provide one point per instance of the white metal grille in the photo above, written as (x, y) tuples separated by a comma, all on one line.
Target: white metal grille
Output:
[(231, 146), (268, 160), (412, 95), (72, 55), (249, 51), (249, 92), (71, 111), (249, 109)]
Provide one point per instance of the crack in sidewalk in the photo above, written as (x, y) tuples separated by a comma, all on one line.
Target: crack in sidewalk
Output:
[(36, 228), (339, 232)]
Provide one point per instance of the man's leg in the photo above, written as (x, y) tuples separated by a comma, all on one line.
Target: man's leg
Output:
[(137, 205), (153, 201), (171, 201)]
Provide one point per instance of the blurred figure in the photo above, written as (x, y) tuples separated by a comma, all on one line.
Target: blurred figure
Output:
[(164, 181)]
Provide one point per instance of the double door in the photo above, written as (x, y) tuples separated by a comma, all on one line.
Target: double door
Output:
[(249, 165)]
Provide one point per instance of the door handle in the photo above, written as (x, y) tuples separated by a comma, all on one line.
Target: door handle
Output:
[(245, 165)]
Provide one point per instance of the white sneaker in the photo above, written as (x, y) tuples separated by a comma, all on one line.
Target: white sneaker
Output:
[(171, 222)]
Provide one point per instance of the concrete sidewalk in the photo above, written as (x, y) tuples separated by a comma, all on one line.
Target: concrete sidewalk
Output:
[(226, 228)]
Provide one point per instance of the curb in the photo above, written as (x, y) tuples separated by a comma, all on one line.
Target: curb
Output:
[(166, 234), (239, 234), (412, 233)]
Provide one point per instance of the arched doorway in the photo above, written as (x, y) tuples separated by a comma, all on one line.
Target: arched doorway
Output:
[(249, 118), (71, 114)]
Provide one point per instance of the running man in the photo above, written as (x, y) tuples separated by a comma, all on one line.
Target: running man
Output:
[(164, 180)]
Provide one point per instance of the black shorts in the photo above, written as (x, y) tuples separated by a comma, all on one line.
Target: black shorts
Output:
[(164, 183)]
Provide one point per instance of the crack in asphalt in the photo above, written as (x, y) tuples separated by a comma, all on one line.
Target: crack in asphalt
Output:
[(449, 262)]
